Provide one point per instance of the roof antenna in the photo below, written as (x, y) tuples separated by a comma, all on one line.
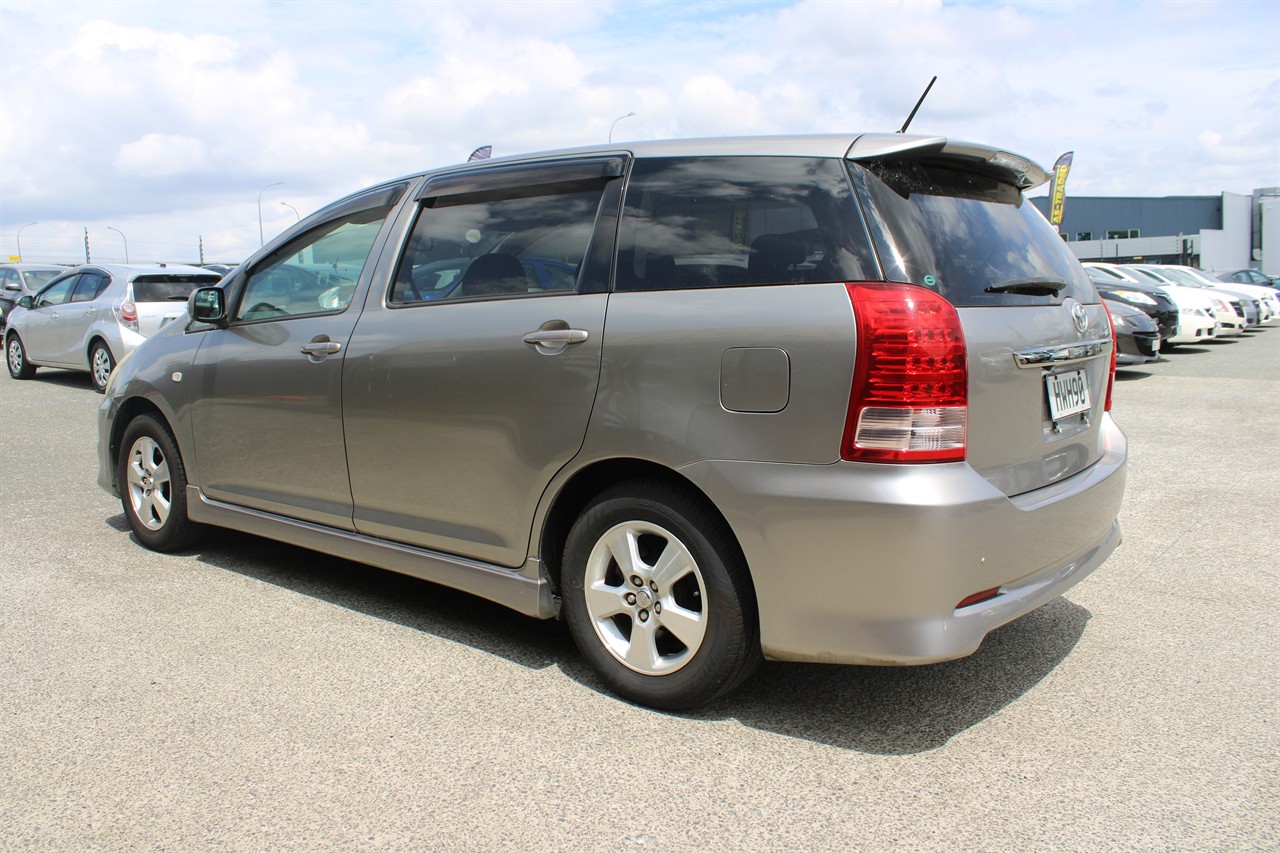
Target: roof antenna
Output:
[(918, 103)]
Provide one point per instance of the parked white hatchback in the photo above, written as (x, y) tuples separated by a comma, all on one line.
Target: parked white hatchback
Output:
[(91, 317)]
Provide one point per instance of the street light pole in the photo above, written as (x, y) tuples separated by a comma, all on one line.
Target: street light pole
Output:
[(615, 123), (294, 209), (126, 242), (19, 237), (261, 239)]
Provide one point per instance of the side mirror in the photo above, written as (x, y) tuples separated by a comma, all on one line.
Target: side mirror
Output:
[(206, 305), (11, 285), (26, 302)]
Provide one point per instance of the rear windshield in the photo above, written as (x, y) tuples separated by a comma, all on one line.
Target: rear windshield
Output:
[(970, 237), (168, 288)]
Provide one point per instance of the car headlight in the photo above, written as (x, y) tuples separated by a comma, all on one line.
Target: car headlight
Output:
[(1119, 321), (1135, 296)]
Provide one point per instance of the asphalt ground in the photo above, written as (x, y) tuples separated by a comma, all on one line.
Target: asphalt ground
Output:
[(253, 696)]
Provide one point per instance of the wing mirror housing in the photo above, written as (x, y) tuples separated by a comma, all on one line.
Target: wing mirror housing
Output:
[(26, 302), (207, 305)]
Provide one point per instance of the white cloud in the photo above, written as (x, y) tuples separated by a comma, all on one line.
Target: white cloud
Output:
[(157, 155), (169, 118)]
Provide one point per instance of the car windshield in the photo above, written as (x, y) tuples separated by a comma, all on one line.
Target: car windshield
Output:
[(36, 279)]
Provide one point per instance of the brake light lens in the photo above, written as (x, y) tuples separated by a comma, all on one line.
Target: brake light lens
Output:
[(910, 395), (1111, 377), (129, 314)]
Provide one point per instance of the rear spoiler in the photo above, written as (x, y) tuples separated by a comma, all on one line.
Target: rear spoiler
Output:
[(1012, 168)]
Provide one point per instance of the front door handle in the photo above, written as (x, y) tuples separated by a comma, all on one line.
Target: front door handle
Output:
[(320, 347), (556, 337)]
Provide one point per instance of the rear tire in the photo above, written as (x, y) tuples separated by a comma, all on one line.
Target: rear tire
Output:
[(101, 363), (658, 598), (153, 486), (16, 357)]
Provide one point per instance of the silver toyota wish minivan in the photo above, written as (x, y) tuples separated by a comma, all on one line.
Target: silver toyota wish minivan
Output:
[(816, 398)]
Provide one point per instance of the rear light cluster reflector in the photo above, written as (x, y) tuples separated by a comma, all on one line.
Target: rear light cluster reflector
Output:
[(978, 598), (909, 401)]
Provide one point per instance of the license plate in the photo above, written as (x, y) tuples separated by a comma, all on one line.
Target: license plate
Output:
[(1068, 393)]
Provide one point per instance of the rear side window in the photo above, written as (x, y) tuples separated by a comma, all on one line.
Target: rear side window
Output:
[(168, 288), (959, 234), (732, 221)]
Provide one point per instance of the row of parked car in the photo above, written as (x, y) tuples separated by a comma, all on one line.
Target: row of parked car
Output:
[(1156, 307), (90, 316)]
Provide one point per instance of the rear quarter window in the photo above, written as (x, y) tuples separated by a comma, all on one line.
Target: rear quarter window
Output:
[(960, 233), (740, 221)]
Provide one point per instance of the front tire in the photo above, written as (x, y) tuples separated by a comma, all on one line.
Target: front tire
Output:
[(657, 597), (16, 356), (101, 363), (153, 486)]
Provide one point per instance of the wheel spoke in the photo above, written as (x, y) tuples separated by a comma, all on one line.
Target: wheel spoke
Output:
[(674, 563), (623, 544), (160, 474), (687, 626), (605, 601), (159, 508), (642, 651)]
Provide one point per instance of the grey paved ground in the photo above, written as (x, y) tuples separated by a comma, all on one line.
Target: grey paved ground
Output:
[(252, 696)]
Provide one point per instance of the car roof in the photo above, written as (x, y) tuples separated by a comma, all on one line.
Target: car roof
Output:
[(24, 267), (854, 146), (131, 271)]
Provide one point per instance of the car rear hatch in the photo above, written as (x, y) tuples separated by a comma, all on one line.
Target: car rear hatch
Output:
[(951, 217), (159, 298)]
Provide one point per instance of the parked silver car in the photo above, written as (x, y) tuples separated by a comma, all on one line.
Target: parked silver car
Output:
[(95, 315), (19, 280), (828, 398)]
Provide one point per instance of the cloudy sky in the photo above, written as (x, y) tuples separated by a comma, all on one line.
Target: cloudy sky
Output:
[(166, 120)]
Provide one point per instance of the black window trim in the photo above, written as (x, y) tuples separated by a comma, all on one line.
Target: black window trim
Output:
[(521, 180)]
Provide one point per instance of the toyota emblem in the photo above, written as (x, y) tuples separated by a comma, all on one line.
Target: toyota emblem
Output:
[(1079, 318)]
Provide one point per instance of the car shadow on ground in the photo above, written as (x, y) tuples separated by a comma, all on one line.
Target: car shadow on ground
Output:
[(63, 378), (876, 710), (1129, 373)]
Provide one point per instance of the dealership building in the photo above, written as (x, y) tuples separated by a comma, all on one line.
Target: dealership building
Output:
[(1212, 232)]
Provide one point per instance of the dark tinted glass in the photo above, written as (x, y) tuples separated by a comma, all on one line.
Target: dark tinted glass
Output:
[(168, 288), (727, 221), (497, 247), (961, 233), (88, 287)]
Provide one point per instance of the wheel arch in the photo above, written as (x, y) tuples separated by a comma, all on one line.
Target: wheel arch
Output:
[(583, 486), (94, 338), (129, 411)]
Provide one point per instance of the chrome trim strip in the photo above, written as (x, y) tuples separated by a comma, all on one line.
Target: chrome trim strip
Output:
[(523, 590), (1068, 354)]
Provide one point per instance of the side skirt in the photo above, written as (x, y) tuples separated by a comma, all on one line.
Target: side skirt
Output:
[(523, 590)]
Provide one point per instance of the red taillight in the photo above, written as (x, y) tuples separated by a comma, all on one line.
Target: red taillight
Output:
[(909, 401), (128, 312), (1111, 377)]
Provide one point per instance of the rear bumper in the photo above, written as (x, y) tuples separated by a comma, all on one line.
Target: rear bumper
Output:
[(858, 563)]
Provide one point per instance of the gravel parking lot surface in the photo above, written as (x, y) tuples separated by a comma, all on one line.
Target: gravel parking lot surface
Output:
[(255, 696)]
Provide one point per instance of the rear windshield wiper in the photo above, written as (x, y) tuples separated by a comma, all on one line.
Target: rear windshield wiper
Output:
[(1030, 287)]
